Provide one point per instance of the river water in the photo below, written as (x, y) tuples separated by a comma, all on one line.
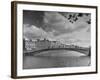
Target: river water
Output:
[(54, 59)]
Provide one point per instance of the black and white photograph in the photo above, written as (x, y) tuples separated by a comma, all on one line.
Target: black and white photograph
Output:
[(53, 39), (56, 39)]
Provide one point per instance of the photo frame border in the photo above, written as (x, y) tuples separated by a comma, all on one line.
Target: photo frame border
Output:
[(14, 38)]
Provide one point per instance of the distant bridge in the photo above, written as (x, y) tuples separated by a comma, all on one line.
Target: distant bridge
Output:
[(85, 51)]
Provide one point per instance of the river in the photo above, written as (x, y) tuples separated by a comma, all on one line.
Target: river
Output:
[(54, 59)]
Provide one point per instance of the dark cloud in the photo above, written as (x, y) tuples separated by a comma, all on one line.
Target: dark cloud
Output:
[(33, 17)]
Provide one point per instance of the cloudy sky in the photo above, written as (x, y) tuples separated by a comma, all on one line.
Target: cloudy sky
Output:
[(67, 27)]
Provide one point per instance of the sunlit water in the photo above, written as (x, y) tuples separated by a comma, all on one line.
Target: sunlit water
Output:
[(52, 59)]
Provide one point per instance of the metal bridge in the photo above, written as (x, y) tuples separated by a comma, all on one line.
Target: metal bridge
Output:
[(85, 51)]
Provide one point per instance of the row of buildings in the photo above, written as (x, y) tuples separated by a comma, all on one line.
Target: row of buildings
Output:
[(44, 44)]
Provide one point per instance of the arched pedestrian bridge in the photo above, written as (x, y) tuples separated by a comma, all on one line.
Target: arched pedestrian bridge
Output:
[(85, 51)]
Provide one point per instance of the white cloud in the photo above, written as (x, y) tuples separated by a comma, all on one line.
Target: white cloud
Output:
[(61, 25), (33, 32)]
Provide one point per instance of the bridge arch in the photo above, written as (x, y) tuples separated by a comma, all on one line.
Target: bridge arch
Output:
[(83, 51)]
